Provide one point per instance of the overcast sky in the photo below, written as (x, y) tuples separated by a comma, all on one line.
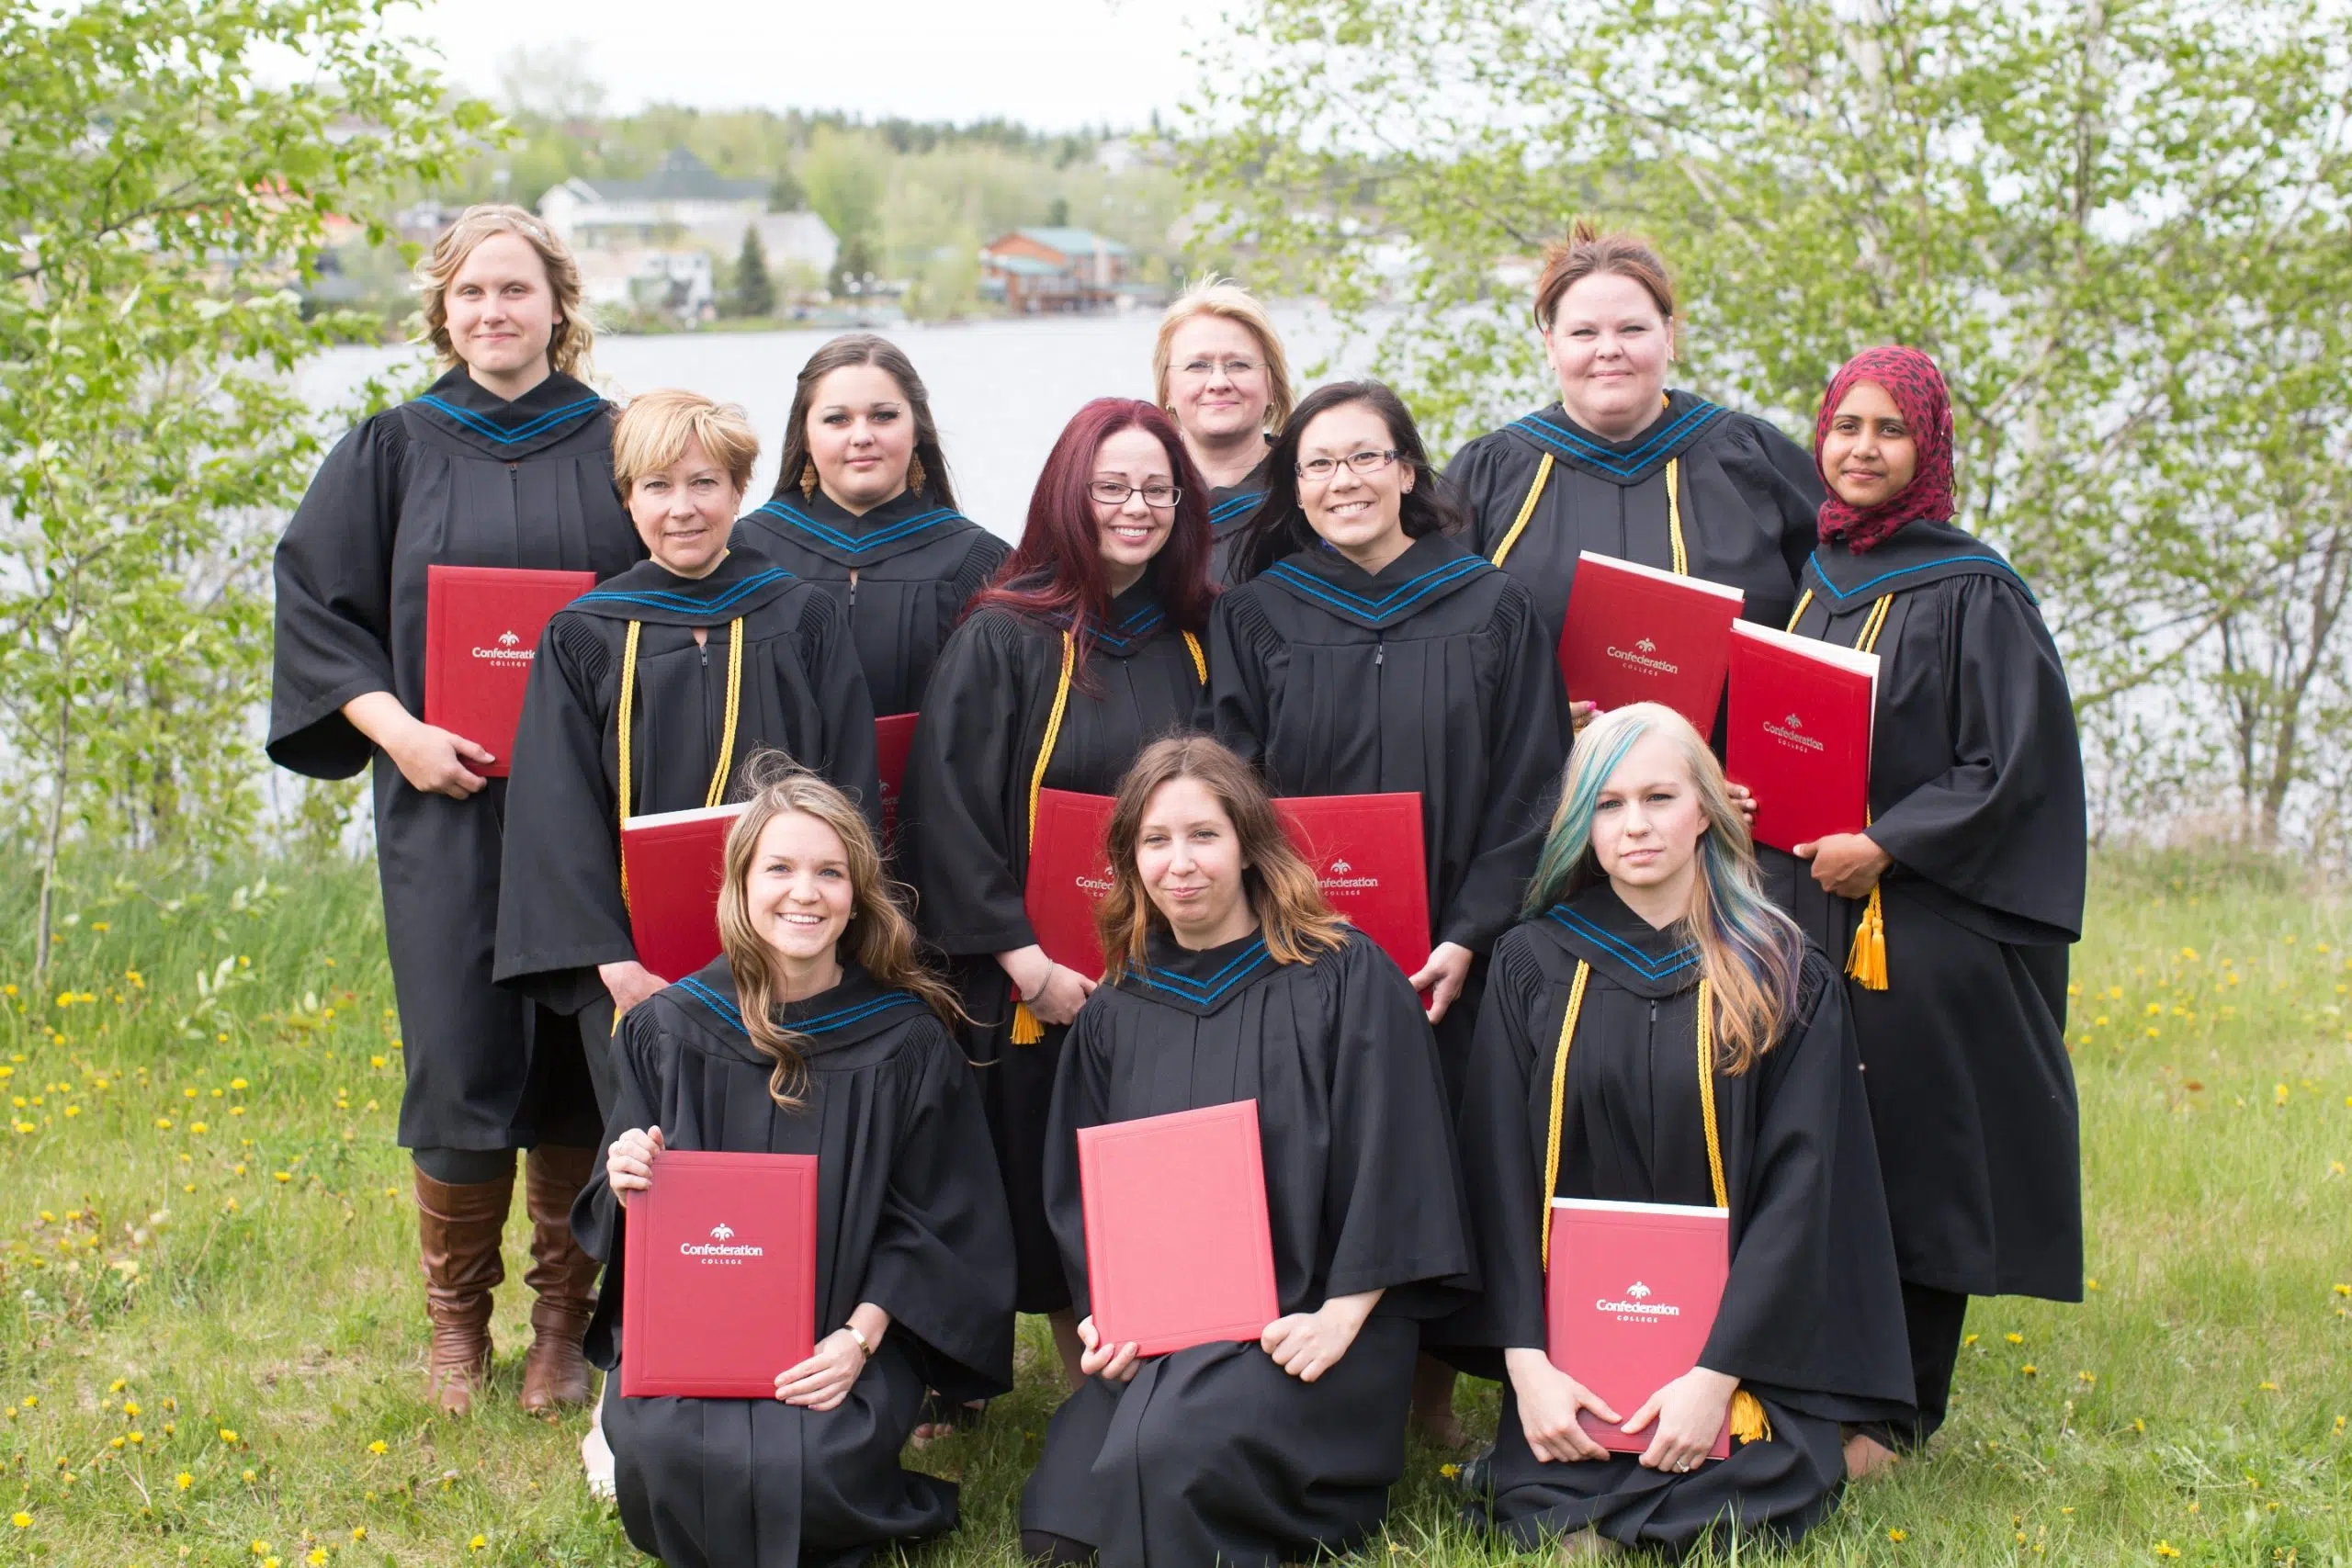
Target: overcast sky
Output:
[(1050, 63)]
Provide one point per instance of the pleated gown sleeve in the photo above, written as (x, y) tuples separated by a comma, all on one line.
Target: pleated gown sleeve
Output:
[(333, 578), (1812, 1314), (1246, 655), (2003, 824), (1530, 731), (1787, 476), (957, 826)]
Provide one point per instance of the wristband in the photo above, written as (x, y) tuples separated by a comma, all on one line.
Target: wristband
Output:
[(864, 1343)]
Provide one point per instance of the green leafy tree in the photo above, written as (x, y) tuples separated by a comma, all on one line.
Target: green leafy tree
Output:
[(2086, 211), (755, 290), (846, 177), (160, 196)]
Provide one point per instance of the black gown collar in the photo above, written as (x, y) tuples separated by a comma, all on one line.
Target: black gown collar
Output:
[(856, 1009), (1913, 557), (1431, 568), (1136, 617), (1627, 462), (822, 524), (740, 584), (1198, 983), (539, 418), (1230, 505), (1596, 927)]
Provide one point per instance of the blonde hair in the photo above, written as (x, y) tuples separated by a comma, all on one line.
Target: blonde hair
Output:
[(574, 334), (882, 936), (653, 431), (1214, 296), (1292, 916), (1749, 949)]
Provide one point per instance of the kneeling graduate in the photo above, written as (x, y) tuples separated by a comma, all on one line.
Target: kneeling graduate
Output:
[(1230, 979), (817, 1033), (1657, 1032)]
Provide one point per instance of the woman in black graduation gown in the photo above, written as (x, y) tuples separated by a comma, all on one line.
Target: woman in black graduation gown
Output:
[(1088, 647), (1622, 467), (719, 652), (1708, 1062), (1231, 979), (817, 1033), (505, 462), (1218, 368), (863, 508), (1956, 907)]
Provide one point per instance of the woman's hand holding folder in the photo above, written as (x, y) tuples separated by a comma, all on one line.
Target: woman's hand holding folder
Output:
[(629, 1164), (1549, 1403), (1116, 1362)]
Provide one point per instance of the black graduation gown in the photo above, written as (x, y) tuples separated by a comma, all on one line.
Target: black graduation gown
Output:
[(1976, 791), (560, 912), (457, 478), (1215, 1453), (1433, 675), (1811, 1315), (902, 574), (908, 1217), (1749, 497), (963, 839), (1230, 509)]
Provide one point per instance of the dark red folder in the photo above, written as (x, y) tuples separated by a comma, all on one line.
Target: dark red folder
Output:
[(1068, 876), (894, 736), (482, 628), (673, 862), (1800, 733), (1366, 852), (1176, 1248), (719, 1289), (1639, 635), (1629, 1303)]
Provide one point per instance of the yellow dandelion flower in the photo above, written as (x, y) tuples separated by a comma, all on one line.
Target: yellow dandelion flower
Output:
[(2086, 1378), (2029, 1369), (182, 1480), (117, 1385), (2014, 1338), (1898, 1535), (2090, 1284), (2267, 1387), (261, 1547), (377, 1447), (197, 1127), (2166, 1549), (477, 1543), (21, 1519), (236, 1083), (1968, 1339), (248, 1476), (359, 1532), (318, 1555), (1449, 1471), (282, 1175), (229, 1435)]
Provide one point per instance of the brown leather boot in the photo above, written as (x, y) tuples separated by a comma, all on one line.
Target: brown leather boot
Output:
[(554, 1372), (460, 1227)]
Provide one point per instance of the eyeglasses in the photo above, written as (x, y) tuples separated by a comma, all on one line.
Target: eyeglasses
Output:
[(1234, 369), (1361, 462), (1110, 493)]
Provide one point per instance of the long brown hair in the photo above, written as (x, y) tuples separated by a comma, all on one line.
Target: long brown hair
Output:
[(574, 333), (1292, 916), (881, 937), (865, 348)]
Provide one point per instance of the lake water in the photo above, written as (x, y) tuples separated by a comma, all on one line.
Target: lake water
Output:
[(1000, 391)]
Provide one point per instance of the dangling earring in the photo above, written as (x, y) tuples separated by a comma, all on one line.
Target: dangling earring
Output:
[(915, 475), (808, 481)]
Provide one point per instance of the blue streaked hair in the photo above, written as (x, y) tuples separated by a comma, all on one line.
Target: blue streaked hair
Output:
[(1750, 951)]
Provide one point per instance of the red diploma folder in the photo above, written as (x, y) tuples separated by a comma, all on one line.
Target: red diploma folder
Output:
[(1630, 1301), (1639, 635), (1366, 852), (673, 861), (894, 736), (1068, 876), (720, 1290), (481, 627), (1177, 1249), (1800, 733)]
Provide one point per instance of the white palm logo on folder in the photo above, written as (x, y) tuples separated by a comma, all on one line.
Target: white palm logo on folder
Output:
[(721, 1231), (507, 639), (1638, 1290), (1340, 868), (1794, 722), (1647, 646)]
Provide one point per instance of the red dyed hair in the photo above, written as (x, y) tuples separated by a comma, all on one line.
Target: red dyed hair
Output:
[(1057, 569)]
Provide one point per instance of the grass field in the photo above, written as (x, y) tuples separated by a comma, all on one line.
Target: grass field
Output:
[(211, 1333)]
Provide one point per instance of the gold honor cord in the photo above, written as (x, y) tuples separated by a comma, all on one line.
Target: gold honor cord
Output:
[(1673, 512), (716, 793), (1748, 1422), (1866, 959), (1027, 1028), (1526, 509)]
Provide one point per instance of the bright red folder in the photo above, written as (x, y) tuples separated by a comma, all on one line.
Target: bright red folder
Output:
[(1800, 733), (672, 862), (1635, 633), (482, 628), (1176, 1248), (1629, 1303), (894, 736), (1366, 852), (719, 1287), (1068, 876)]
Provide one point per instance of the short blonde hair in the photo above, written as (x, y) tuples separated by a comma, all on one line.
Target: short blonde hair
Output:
[(653, 431), (1215, 296), (574, 333)]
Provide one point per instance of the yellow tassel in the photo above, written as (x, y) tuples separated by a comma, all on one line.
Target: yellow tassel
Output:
[(1748, 1422), (1866, 960), (1026, 1030)]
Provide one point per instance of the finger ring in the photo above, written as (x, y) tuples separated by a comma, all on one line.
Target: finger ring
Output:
[(1683, 1465)]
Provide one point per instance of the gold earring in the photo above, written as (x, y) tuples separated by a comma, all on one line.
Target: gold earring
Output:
[(916, 477), (807, 481)]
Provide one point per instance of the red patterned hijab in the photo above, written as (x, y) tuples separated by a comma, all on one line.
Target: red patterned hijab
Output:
[(1912, 380)]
